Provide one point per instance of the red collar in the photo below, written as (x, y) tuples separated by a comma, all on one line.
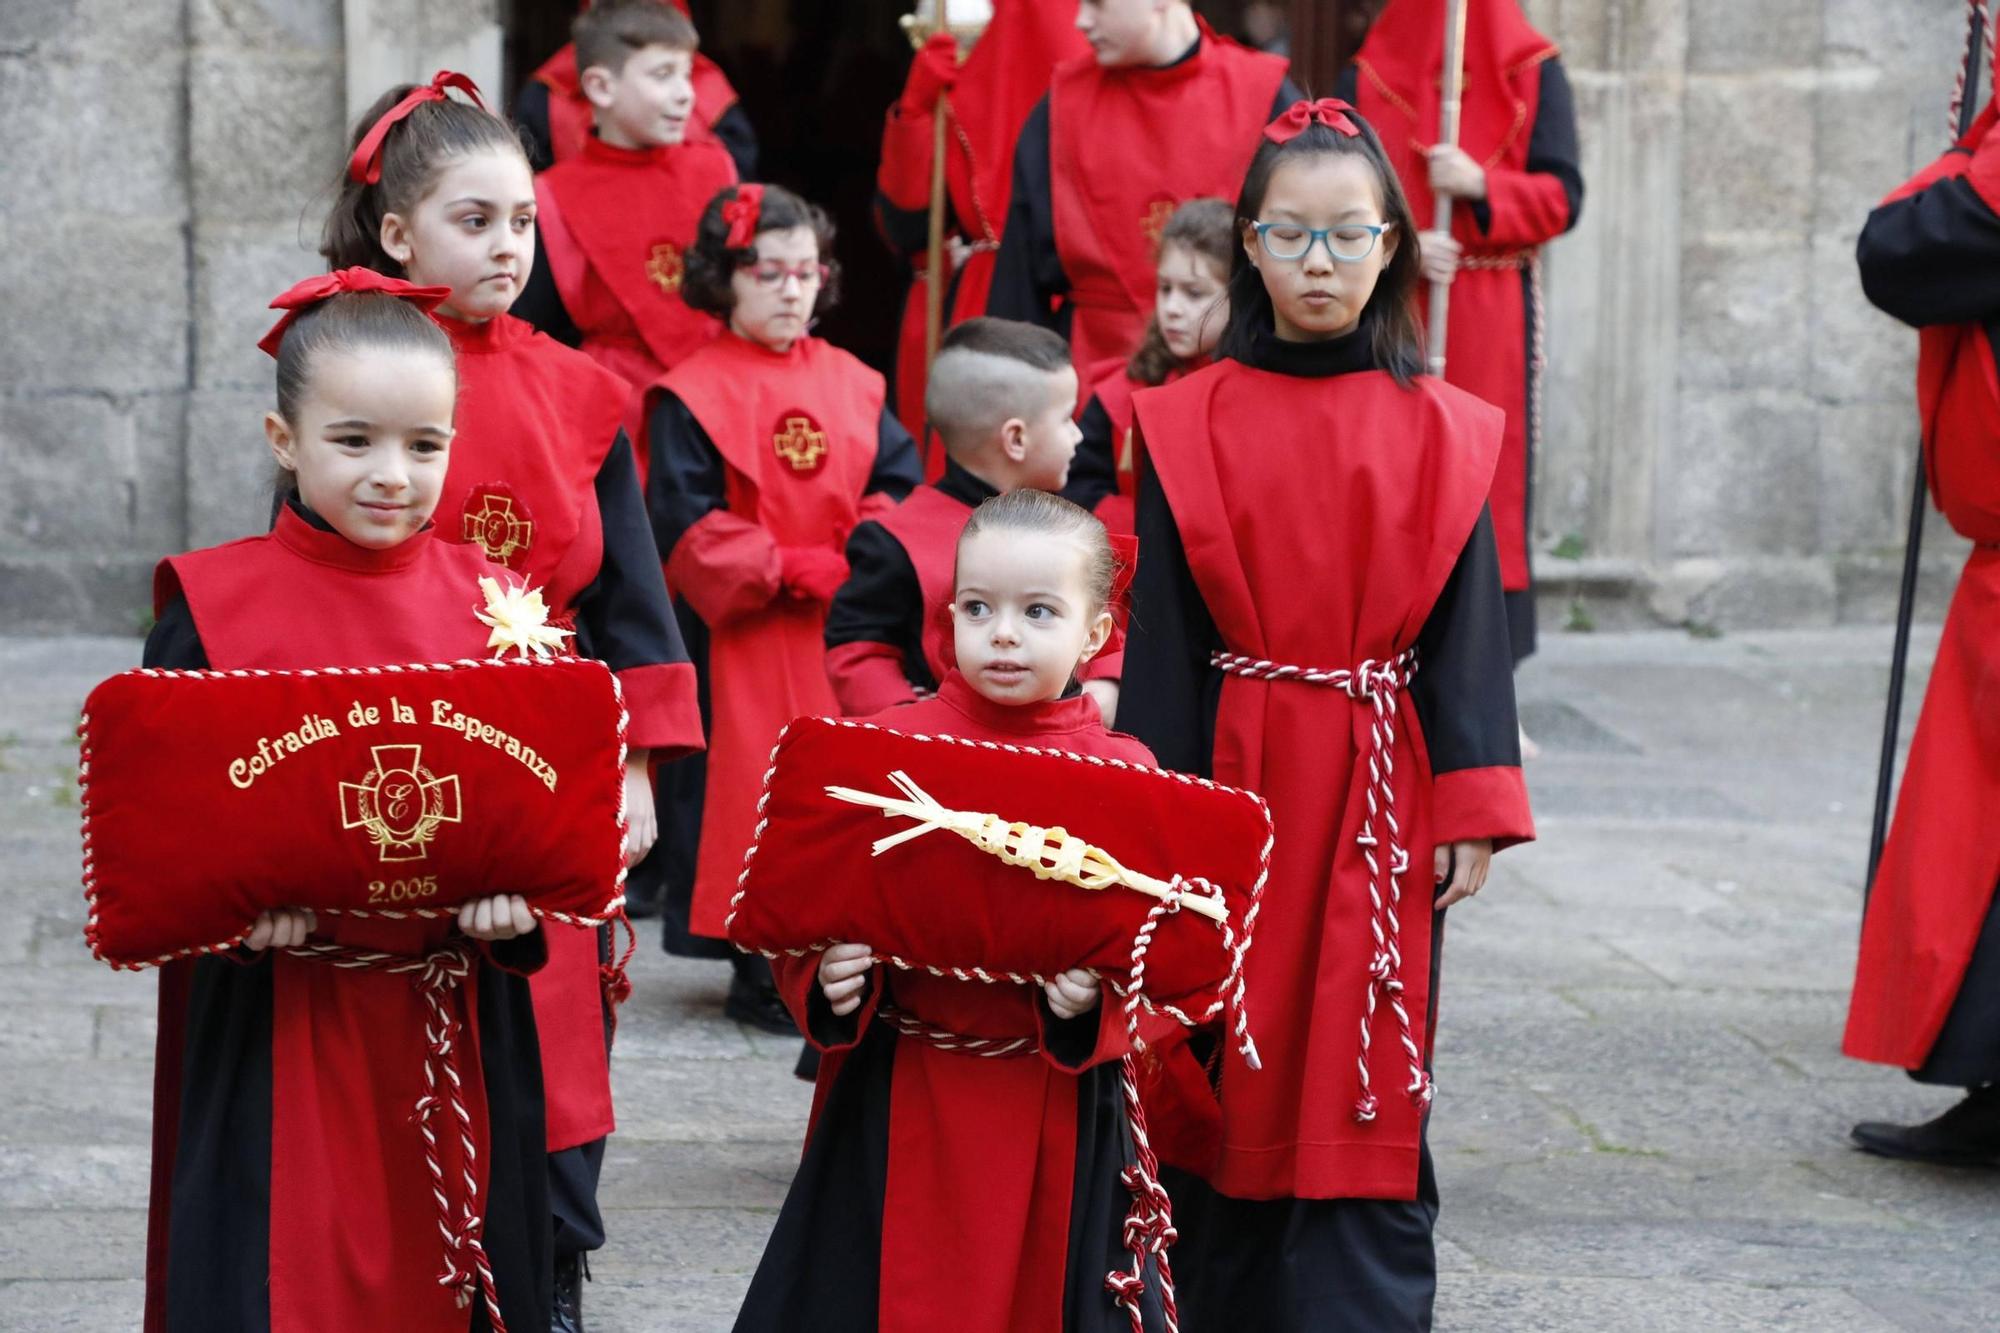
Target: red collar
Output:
[(322, 547), (793, 353), (498, 334), (1055, 717), (596, 150)]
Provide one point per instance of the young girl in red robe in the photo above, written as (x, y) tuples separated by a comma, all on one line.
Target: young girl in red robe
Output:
[(1375, 715), (1190, 308), (767, 447), (942, 1189), (542, 480), (259, 1221)]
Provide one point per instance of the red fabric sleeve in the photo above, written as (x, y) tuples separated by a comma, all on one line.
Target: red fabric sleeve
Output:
[(1474, 803), (905, 174), (798, 985), (665, 711), (1112, 1042), (1524, 208), (726, 566), (1983, 170), (1107, 665), (1953, 163), (874, 505), (867, 678)]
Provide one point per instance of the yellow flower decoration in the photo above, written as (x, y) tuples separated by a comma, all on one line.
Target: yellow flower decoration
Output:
[(520, 620)]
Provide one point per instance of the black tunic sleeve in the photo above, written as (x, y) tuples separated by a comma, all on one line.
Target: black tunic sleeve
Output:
[(531, 117), (881, 601), (739, 138), (1168, 695), (1028, 273), (898, 470), (686, 480), (1093, 473), (624, 617), (1933, 257), (174, 644), (541, 303), (1464, 686), (907, 231)]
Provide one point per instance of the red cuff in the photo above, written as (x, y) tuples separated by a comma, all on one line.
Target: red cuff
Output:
[(798, 985), (867, 678), (666, 715), (726, 566), (1107, 665), (1475, 803), (1523, 209), (905, 174)]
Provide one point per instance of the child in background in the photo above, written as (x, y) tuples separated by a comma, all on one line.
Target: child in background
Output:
[(768, 446), (1190, 308), (616, 218)]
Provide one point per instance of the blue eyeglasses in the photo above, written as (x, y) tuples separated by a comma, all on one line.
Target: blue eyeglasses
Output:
[(1348, 243)]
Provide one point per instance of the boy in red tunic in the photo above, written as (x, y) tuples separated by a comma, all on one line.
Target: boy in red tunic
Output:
[(1161, 112), (1375, 715), (542, 479), (942, 1189), (1927, 986), (554, 114), (617, 217), (987, 97), (1003, 398), (290, 1183), (768, 446), (1518, 185)]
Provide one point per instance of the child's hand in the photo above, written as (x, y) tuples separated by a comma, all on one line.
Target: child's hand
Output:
[(843, 975), (281, 928), (642, 817), (1453, 172), (1441, 253), (500, 917), (1104, 693), (1467, 863), (1074, 993)]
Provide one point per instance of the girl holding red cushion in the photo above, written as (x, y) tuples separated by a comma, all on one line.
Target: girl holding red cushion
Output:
[(767, 447), (438, 190), (1376, 717), (290, 1189)]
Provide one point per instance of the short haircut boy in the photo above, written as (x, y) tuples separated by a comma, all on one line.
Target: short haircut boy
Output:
[(611, 32), (988, 371)]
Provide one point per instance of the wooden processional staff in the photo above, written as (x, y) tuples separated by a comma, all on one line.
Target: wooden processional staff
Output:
[(920, 31), (1452, 88)]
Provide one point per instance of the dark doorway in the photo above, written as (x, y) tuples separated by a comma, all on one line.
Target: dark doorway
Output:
[(818, 76)]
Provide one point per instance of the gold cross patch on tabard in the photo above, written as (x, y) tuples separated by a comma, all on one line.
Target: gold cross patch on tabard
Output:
[(800, 442), (491, 524), (666, 267), (401, 803)]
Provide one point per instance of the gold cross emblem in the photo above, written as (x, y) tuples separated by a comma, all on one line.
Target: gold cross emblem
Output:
[(401, 803), (1154, 224), (666, 268), (496, 528), (800, 442)]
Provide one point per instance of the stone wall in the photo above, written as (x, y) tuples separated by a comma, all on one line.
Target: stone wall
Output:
[(1729, 434)]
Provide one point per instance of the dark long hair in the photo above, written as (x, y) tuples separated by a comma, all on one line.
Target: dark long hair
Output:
[(415, 151), (711, 262), (1203, 227), (1395, 336)]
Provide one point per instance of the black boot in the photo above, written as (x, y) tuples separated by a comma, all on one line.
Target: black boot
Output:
[(1966, 1135), (753, 998)]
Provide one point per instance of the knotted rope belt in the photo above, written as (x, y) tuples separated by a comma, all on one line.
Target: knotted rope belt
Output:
[(1149, 1222), (436, 975), (1375, 686)]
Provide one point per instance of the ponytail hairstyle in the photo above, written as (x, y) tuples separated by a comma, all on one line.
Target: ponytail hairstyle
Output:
[(1395, 336), (1050, 516), (726, 240), (1203, 227), (398, 149)]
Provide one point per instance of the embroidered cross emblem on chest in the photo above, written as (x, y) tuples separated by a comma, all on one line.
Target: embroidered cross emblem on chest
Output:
[(400, 804), (491, 524), (666, 268), (800, 442)]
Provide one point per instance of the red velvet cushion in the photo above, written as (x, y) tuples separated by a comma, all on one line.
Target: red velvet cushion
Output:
[(210, 796), (940, 902)]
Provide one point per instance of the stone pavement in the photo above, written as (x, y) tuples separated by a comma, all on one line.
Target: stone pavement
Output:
[(1642, 1114)]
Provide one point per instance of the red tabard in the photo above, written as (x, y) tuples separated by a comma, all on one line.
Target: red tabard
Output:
[(353, 1224), (617, 224), (1942, 858), (1114, 188), (1394, 481), (535, 422), (1113, 389), (1488, 343), (1002, 78), (570, 114), (798, 433), (982, 1152)]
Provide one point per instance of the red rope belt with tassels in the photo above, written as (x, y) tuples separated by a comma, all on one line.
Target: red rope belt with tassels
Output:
[(1376, 686)]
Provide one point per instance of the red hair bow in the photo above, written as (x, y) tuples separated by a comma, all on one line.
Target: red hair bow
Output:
[(303, 296), (1328, 111), (742, 213), (365, 167)]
